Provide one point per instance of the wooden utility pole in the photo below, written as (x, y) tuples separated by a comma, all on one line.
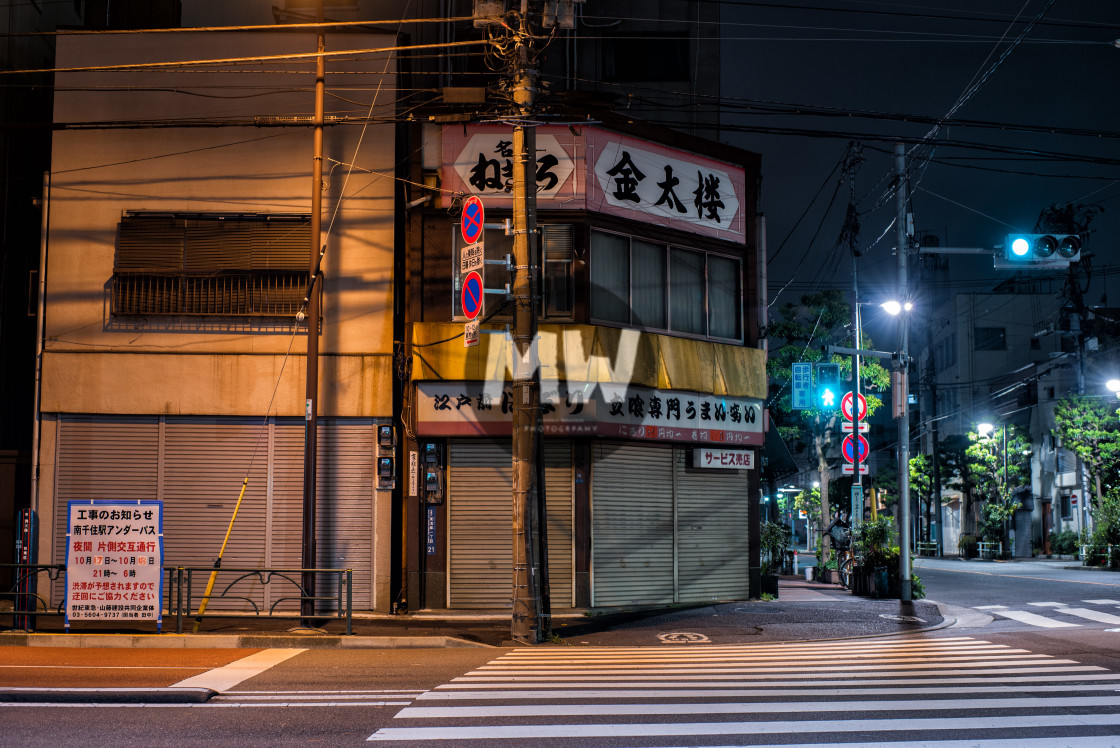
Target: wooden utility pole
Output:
[(528, 620), (310, 439)]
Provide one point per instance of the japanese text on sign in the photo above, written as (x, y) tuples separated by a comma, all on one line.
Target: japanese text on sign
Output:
[(114, 560)]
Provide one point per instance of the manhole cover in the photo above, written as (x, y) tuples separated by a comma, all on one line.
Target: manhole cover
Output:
[(902, 619), (683, 637)]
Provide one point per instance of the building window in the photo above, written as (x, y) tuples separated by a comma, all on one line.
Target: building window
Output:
[(1066, 508), (557, 253), (654, 286), (990, 338), (211, 264), (945, 352)]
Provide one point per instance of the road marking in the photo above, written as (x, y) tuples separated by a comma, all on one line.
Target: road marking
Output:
[(228, 676), (525, 732), (1049, 605), (1102, 602), (1092, 615), (990, 607), (1049, 675), (1034, 619)]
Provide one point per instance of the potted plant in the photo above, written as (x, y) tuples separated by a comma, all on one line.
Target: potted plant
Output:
[(872, 540), (775, 540)]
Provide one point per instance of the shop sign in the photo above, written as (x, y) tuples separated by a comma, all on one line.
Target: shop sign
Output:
[(114, 560), (485, 164), (714, 457), (591, 409)]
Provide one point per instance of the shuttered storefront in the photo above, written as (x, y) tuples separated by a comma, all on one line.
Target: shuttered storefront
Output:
[(480, 513), (196, 465), (712, 530), (632, 524), (662, 531)]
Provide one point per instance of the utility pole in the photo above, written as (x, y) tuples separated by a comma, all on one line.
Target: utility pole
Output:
[(903, 251), (310, 439), (528, 622)]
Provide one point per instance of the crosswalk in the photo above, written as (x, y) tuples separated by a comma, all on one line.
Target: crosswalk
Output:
[(1058, 615), (944, 692)]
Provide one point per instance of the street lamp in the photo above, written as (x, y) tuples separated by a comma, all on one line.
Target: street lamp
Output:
[(1113, 385), (902, 413)]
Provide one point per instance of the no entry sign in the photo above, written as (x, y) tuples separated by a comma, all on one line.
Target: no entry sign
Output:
[(473, 219), (472, 295)]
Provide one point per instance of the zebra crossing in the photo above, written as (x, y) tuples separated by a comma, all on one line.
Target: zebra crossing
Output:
[(945, 692), (1058, 615)]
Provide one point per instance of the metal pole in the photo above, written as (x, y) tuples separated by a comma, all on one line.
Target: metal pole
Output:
[(310, 441), (902, 249), (527, 620)]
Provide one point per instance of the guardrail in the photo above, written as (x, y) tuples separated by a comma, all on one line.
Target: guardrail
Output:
[(1107, 555), (989, 550), (927, 549), (233, 594)]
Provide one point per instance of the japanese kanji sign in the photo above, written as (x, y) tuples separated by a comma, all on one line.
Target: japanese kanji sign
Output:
[(588, 408), (801, 387), (114, 560), (714, 457), (485, 164)]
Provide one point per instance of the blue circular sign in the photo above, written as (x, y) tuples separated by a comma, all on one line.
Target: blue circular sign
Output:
[(850, 448), (473, 219), (472, 294)]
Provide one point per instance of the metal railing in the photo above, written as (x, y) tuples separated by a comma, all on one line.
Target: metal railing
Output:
[(927, 549), (989, 550), (1100, 555), (233, 594)]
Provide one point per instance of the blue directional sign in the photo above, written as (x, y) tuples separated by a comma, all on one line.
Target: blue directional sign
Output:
[(473, 295)]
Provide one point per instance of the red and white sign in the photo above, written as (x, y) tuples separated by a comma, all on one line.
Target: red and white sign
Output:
[(713, 457), (846, 406), (850, 469), (473, 295), (473, 220)]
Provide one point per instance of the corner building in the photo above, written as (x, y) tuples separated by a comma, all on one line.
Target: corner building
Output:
[(652, 384)]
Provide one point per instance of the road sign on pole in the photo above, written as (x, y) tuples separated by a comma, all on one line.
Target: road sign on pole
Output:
[(850, 469), (802, 386), (474, 217), (470, 334), (472, 257), (849, 448), (846, 406), (473, 295)]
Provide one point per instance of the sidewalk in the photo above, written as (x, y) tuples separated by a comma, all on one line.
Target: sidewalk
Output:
[(803, 609)]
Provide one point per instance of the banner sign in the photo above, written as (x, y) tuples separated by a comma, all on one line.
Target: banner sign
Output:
[(714, 457), (114, 560), (591, 409)]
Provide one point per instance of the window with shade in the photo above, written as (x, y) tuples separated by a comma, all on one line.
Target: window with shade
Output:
[(655, 286), (211, 264)]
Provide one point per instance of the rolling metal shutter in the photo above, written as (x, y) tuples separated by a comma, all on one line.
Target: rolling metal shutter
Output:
[(711, 532), (196, 465), (480, 538), (632, 524)]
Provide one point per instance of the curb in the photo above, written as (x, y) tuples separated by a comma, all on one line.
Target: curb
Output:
[(106, 695), (237, 641)]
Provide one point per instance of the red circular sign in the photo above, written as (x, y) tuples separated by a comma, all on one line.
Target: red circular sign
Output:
[(473, 219), (472, 294), (846, 406), (849, 448)]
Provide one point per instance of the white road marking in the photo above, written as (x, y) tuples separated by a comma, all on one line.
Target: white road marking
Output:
[(1033, 619), (228, 676), (525, 732), (1102, 602), (1048, 605), (1092, 615)]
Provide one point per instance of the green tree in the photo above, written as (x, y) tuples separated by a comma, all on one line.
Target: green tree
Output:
[(797, 333), (1090, 428), (997, 469)]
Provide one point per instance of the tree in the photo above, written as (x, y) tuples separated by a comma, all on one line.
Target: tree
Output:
[(797, 334), (996, 469), (1090, 428)]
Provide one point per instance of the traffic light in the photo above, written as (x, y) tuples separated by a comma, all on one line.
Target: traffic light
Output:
[(1040, 250), (826, 396)]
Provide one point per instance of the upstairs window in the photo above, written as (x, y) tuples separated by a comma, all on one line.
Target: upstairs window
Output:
[(211, 264), (659, 287), (990, 338)]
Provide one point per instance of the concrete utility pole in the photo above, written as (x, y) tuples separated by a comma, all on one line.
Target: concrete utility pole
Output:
[(310, 440), (903, 251), (529, 620)]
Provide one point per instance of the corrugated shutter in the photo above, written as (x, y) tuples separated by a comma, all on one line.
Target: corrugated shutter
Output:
[(632, 524), (479, 506), (204, 463), (109, 458), (480, 487), (712, 562), (559, 499)]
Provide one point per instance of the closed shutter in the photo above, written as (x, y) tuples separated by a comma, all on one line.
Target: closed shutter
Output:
[(632, 524), (712, 562), (480, 510), (558, 499), (107, 458), (205, 462)]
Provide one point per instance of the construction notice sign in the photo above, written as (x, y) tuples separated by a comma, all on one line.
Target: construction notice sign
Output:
[(114, 560)]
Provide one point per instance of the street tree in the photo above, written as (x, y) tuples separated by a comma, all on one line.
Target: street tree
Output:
[(797, 334), (997, 469), (1089, 426)]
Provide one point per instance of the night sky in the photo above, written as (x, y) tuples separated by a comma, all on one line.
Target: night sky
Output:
[(918, 58)]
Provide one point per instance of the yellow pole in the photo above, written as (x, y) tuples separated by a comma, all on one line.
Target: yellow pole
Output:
[(218, 562)]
